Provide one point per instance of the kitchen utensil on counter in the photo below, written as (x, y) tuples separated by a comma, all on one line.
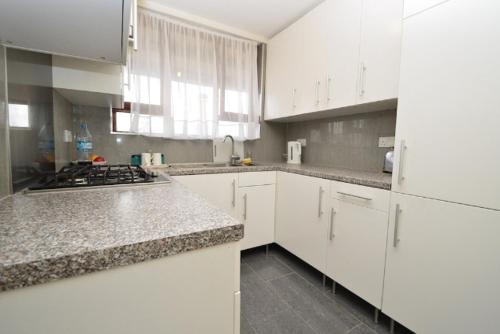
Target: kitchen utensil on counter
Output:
[(388, 162), (294, 152), (157, 159), (146, 159)]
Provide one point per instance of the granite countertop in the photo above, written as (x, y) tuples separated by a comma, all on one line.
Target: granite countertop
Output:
[(49, 236), (369, 179)]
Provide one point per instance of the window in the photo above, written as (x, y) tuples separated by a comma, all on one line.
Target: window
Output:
[(19, 115), (185, 82)]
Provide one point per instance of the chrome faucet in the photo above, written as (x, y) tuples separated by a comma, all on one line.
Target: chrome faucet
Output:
[(235, 159)]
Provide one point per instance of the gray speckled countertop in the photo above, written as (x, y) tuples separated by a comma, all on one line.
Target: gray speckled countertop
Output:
[(49, 236), (369, 179)]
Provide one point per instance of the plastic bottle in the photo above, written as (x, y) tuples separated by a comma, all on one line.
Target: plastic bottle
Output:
[(84, 143)]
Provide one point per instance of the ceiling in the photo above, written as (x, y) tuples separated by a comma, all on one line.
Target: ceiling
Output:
[(259, 17)]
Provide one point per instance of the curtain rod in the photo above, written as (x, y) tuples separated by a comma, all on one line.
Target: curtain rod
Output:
[(195, 25)]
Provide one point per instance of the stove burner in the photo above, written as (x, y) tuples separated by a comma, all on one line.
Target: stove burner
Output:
[(94, 175)]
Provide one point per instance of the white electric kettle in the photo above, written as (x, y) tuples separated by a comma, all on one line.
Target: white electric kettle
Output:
[(294, 152)]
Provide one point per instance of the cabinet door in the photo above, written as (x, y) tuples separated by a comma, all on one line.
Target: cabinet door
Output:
[(256, 211), (413, 7), (356, 249), (283, 72), (218, 189), (442, 272), (341, 28), (302, 217), (380, 51), (448, 109)]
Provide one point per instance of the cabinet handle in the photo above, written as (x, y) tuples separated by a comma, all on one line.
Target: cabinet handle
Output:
[(294, 93), (356, 196), (320, 205), (332, 215), (318, 83), (402, 150), (396, 226), (233, 202), (328, 84), (362, 79), (245, 207)]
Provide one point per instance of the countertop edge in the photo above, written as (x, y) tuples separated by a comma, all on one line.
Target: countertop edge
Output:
[(288, 169), (22, 275)]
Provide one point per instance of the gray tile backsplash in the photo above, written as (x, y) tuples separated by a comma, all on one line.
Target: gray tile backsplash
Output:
[(345, 142)]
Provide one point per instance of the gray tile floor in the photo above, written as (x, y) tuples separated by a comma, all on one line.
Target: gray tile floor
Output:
[(282, 294)]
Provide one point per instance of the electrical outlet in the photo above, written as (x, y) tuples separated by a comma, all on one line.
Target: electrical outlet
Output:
[(302, 141), (386, 142), (68, 136)]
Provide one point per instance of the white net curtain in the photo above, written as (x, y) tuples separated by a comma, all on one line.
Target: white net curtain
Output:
[(185, 82)]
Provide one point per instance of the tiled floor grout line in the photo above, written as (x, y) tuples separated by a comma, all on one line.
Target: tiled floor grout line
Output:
[(281, 298)]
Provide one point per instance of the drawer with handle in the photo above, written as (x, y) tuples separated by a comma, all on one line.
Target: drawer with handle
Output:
[(373, 198)]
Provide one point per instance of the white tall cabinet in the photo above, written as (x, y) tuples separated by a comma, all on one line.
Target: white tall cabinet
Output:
[(443, 266), (447, 133), (443, 263)]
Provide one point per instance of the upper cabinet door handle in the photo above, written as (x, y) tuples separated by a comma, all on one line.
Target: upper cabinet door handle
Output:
[(362, 79), (328, 85), (318, 84), (294, 93), (402, 153)]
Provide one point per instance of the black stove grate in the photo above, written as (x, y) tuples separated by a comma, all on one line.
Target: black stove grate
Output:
[(93, 175)]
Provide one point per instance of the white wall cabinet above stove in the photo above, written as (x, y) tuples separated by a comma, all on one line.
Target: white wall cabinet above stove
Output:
[(448, 114), (341, 54), (87, 82), (92, 29)]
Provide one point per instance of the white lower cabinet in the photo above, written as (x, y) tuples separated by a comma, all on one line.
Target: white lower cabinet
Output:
[(356, 248), (253, 203), (218, 189), (302, 217), (256, 212), (443, 266)]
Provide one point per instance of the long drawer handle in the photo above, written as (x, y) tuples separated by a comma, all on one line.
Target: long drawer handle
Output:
[(332, 215), (233, 202), (320, 204), (355, 196), (402, 151), (396, 226), (245, 207)]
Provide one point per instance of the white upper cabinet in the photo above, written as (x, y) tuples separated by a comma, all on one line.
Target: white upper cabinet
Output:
[(447, 134), (284, 53), (442, 268), (413, 7), (341, 28), (92, 29), (380, 50), (316, 64)]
